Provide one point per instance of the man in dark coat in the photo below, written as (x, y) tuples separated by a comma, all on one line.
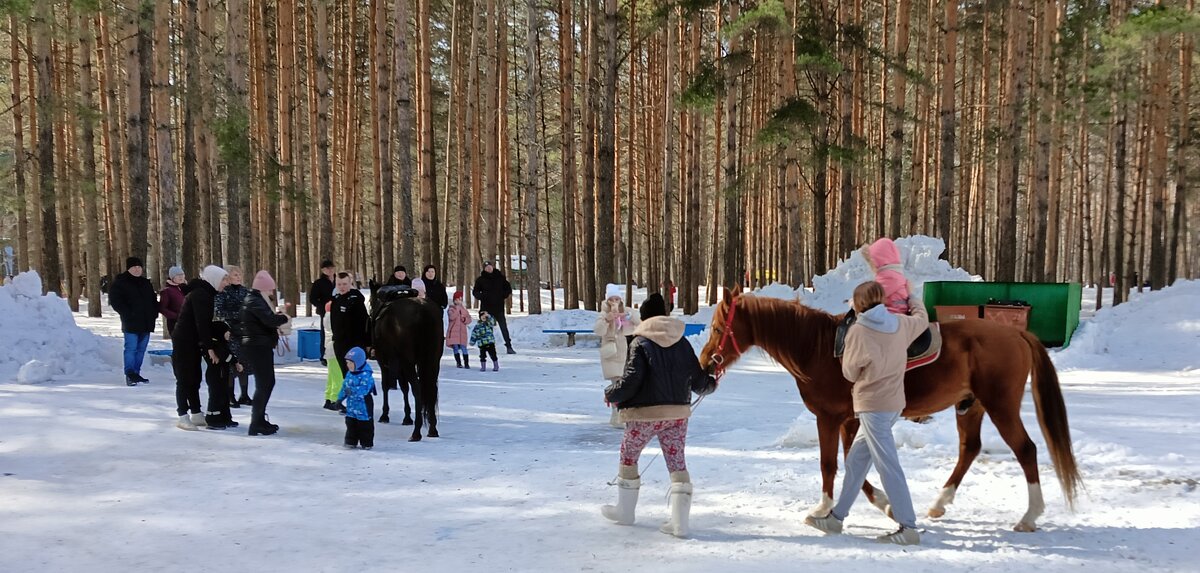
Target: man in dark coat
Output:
[(491, 290), (132, 296), (435, 290), (348, 319), (320, 293)]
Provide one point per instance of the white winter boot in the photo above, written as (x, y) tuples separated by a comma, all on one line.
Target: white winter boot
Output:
[(185, 423), (198, 419), (681, 505), (627, 496)]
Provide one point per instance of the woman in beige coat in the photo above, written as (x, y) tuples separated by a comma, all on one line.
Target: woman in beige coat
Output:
[(613, 325)]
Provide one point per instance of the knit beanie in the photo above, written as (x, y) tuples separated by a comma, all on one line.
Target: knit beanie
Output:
[(458, 294), (213, 275), (653, 306), (263, 282), (174, 271), (399, 268), (133, 262)]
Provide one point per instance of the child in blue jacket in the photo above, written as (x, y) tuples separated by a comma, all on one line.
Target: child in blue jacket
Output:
[(360, 407)]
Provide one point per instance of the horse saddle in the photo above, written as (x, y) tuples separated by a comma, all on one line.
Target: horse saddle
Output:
[(925, 349), (395, 292)]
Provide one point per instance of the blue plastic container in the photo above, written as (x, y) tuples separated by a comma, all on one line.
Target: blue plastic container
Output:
[(308, 342), (690, 329)]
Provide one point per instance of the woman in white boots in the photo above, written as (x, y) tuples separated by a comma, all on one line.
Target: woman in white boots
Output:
[(613, 325), (654, 399)]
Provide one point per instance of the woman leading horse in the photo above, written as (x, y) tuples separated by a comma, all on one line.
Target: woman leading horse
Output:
[(980, 359)]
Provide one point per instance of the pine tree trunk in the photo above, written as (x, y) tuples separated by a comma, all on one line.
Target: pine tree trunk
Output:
[(1007, 244), (87, 150), (168, 190), (42, 31), (382, 106), (114, 173), (1184, 142), (606, 207), (1160, 103), (533, 92), (669, 136), (566, 43), (404, 128), (429, 198), (734, 258), (949, 126), (25, 251), (591, 99)]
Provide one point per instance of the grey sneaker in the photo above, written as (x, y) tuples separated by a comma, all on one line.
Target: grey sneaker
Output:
[(902, 536), (827, 524)]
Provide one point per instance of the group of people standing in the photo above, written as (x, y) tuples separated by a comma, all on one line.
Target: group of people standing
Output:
[(214, 321)]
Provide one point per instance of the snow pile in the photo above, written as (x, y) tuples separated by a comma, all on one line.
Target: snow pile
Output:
[(918, 253), (40, 340), (527, 332), (1158, 330)]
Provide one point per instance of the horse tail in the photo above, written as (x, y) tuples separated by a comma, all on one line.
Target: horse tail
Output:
[(1052, 416)]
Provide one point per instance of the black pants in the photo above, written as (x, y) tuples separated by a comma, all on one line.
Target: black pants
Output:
[(262, 361), (238, 379), (217, 378), (362, 431), (484, 351), (502, 321), (339, 355), (322, 315), (185, 361)]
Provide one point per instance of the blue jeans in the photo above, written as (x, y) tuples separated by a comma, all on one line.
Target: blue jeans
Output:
[(135, 351), (459, 349)]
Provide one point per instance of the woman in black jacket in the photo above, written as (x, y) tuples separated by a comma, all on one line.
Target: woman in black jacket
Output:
[(654, 398), (260, 333), (193, 341), (434, 289)]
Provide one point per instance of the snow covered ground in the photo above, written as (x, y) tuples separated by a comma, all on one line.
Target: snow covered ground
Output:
[(94, 474)]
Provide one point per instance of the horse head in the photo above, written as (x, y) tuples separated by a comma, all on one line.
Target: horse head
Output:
[(728, 337)]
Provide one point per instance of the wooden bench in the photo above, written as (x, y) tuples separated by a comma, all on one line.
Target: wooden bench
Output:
[(570, 332)]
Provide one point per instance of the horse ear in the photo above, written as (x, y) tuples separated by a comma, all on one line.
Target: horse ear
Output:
[(725, 294), (737, 288)]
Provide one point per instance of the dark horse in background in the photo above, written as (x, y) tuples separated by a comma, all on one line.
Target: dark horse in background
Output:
[(980, 359), (408, 338)]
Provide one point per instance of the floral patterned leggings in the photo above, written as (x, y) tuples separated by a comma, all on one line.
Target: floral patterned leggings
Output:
[(672, 436)]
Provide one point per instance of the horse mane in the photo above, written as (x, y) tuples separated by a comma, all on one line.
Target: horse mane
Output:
[(788, 331)]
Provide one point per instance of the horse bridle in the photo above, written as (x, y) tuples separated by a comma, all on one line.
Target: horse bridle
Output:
[(718, 357)]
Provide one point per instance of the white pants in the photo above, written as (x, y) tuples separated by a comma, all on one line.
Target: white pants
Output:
[(874, 444)]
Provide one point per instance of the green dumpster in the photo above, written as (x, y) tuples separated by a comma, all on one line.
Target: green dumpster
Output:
[(1052, 318)]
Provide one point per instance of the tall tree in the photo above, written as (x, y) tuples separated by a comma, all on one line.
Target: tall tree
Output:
[(606, 153), (43, 23), (163, 129), (533, 92), (137, 23), (404, 128), (87, 150), (566, 52)]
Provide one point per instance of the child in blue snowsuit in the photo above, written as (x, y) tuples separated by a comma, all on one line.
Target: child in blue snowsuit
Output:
[(483, 336), (360, 407)]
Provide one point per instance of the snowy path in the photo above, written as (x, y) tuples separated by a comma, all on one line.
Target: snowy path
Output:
[(95, 475)]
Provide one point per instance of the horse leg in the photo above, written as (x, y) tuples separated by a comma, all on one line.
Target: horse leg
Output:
[(827, 437), (877, 497), (1007, 419), (383, 417), (404, 387), (969, 423), (410, 374), (429, 380)]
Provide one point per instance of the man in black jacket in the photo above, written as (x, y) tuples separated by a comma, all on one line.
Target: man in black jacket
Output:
[(399, 277), (348, 320), (320, 293), (132, 296), (491, 290)]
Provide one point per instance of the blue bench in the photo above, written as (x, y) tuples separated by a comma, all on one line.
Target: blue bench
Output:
[(570, 332)]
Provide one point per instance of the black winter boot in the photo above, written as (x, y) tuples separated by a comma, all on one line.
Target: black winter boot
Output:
[(466, 361), (509, 348), (457, 360)]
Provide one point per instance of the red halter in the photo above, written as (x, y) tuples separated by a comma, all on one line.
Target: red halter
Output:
[(718, 358)]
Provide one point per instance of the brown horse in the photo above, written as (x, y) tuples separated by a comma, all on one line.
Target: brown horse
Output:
[(979, 359)]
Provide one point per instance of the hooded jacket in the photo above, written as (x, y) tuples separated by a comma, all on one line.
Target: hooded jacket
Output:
[(660, 375), (876, 353), (359, 383), (884, 257), (134, 299), (320, 293), (613, 325)]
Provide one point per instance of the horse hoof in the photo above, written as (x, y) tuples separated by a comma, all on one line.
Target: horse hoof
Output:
[(1025, 527), (384, 419), (936, 512), (407, 422), (415, 438), (433, 433)]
